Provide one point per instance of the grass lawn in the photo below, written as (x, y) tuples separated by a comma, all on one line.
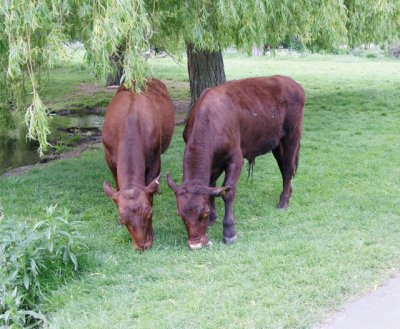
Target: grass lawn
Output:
[(76, 89), (289, 269)]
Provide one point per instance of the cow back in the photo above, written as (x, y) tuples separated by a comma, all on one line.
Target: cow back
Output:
[(253, 114), (148, 116)]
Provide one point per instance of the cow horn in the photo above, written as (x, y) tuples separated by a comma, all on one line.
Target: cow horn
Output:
[(172, 185), (154, 186), (219, 191), (108, 189)]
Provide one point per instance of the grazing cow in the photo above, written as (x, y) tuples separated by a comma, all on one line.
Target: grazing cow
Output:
[(240, 119), (137, 130)]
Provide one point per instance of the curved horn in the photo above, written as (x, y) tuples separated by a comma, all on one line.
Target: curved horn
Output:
[(219, 191), (154, 186), (171, 184), (108, 190)]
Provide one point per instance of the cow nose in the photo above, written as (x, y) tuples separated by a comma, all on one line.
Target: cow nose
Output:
[(143, 245)]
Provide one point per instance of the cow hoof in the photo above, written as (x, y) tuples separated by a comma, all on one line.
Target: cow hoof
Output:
[(231, 240), (282, 206)]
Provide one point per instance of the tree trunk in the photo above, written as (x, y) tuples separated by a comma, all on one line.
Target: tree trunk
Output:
[(206, 69), (114, 78)]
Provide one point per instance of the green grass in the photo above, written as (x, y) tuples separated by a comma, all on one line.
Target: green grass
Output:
[(289, 269), (74, 88)]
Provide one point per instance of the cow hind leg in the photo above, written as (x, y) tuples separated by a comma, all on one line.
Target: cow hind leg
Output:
[(232, 175), (278, 154), (286, 155)]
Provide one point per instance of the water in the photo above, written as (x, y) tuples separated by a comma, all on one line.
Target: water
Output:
[(16, 151)]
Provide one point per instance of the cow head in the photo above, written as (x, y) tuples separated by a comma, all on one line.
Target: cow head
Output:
[(135, 212), (193, 206)]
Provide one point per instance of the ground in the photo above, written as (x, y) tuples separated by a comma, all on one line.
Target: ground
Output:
[(339, 238)]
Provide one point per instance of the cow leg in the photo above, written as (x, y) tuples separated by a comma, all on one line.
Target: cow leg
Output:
[(213, 211), (278, 154), (107, 156), (152, 173), (232, 174), (288, 155)]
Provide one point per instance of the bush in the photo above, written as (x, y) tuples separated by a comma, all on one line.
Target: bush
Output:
[(395, 50), (29, 255), (370, 51)]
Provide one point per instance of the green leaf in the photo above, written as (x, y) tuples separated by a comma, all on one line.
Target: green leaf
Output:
[(74, 260), (26, 281)]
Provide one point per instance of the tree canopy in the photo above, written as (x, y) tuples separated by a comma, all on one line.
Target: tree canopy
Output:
[(33, 33)]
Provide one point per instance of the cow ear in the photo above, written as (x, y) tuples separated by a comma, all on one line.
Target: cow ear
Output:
[(154, 186), (172, 185), (219, 191), (109, 190)]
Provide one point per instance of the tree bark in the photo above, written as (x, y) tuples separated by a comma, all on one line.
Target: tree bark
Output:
[(114, 78), (206, 69)]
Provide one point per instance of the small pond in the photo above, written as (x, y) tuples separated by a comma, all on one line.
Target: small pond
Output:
[(16, 151)]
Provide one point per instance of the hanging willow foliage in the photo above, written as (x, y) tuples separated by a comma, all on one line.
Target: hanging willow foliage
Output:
[(33, 32)]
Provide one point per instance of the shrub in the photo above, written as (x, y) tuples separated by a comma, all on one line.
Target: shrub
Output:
[(394, 50), (29, 255)]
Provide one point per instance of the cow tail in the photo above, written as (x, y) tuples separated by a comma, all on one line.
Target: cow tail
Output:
[(296, 160), (250, 169)]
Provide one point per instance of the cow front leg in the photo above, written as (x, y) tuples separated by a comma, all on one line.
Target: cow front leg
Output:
[(152, 173), (213, 212), (232, 175), (113, 169)]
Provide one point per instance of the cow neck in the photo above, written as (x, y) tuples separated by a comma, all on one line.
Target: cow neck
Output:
[(198, 160), (131, 166)]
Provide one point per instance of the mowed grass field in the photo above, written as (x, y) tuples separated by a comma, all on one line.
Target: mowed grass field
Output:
[(339, 238)]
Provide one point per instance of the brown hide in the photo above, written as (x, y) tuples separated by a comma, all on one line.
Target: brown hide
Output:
[(240, 119), (137, 130)]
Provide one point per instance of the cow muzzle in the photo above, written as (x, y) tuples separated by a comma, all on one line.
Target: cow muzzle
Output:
[(145, 245), (198, 244)]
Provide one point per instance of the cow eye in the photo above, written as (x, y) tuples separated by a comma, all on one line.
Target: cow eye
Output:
[(206, 215)]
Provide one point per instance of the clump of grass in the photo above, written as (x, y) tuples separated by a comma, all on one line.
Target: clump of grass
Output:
[(31, 256)]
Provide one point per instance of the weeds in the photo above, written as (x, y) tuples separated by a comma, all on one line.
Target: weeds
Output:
[(28, 256)]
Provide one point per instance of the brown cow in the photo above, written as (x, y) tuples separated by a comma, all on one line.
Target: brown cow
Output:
[(137, 130), (240, 119)]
